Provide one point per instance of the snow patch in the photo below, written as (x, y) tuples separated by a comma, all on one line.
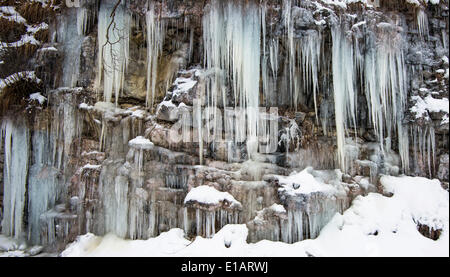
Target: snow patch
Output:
[(37, 97), (141, 143), (210, 196)]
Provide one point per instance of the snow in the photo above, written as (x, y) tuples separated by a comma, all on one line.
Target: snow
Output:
[(445, 119), (430, 104), (445, 59), (210, 196), (138, 114), (38, 97), (24, 75), (375, 225), (340, 3), (84, 106), (9, 13), (51, 48), (36, 28), (183, 85), (436, 105), (303, 183), (277, 208), (173, 244), (141, 143), (423, 198), (90, 166), (8, 243), (414, 2), (166, 244)]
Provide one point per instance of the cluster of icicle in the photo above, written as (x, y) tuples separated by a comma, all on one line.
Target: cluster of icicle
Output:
[(113, 48), (384, 78), (32, 180), (232, 38), (237, 55)]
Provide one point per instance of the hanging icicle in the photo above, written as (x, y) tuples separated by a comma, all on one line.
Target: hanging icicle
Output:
[(344, 90), (232, 38), (155, 42), (113, 53)]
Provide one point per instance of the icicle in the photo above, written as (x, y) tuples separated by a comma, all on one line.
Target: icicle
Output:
[(424, 146), (82, 20), (422, 23), (309, 48), (113, 52), (155, 42), (71, 39), (232, 38), (343, 87), (385, 82), (16, 149)]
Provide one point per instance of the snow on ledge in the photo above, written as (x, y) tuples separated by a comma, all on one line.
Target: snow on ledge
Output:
[(303, 183), (18, 76), (430, 104), (37, 97), (141, 143), (210, 196)]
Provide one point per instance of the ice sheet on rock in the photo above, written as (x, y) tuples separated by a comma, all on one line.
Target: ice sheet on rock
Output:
[(210, 196)]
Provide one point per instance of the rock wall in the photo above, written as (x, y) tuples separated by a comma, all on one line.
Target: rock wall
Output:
[(357, 87)]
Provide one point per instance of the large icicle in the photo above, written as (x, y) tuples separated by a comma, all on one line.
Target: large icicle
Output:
[(155, 41), (303, 61), (344, 91), (17, 140), (385, 81), (71, 39), (113, 52), (232, 37)]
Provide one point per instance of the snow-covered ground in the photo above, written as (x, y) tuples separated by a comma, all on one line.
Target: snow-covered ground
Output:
[(375, 225)]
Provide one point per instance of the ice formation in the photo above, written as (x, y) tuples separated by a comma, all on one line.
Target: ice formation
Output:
[(155, 41), (232, 36), (113, 48), (375, 225), (16, 137), (224, 123)]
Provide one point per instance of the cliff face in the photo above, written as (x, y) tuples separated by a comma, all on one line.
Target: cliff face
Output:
[(102, 106)]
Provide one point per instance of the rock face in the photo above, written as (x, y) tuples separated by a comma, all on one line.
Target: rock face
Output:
[(352, 90)]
